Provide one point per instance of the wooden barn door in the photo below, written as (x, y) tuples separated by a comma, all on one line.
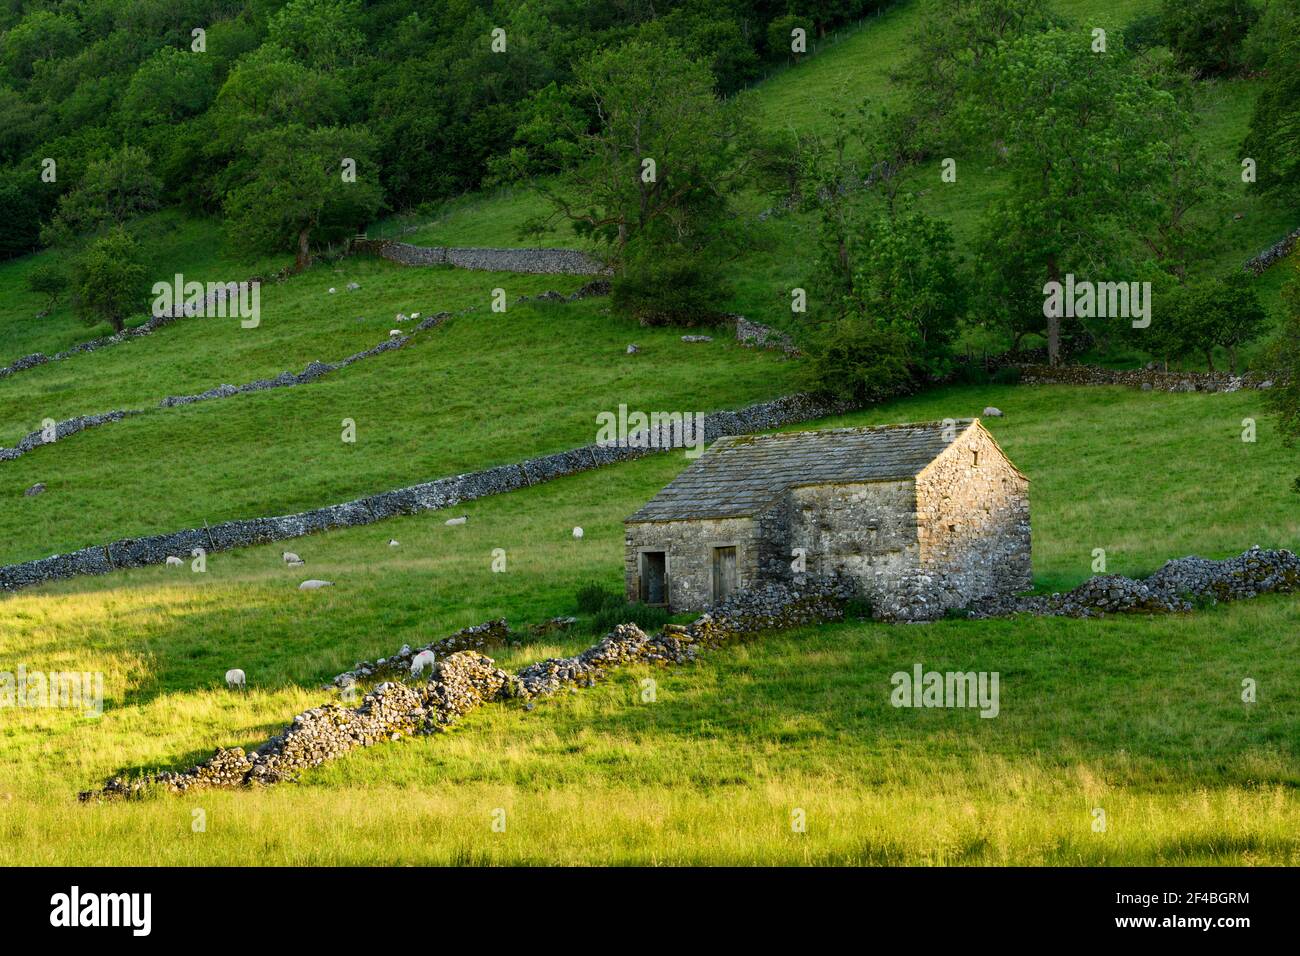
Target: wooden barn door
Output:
[(724, 573)]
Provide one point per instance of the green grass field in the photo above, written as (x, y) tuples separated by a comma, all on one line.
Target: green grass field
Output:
[(1139, 716)]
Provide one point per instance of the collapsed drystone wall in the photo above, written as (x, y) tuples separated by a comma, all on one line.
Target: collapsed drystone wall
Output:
[(478, 637), (1178, 586), (467, 679), (535, 261), (1147, 379), (758, 335), (428, 496)]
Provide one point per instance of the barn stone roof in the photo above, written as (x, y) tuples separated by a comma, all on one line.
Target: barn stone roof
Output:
[(740, 475)]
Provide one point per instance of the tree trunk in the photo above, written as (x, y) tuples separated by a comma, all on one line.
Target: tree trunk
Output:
[(1209, 359), (1054, 321), (303, 259), (1232, 359)]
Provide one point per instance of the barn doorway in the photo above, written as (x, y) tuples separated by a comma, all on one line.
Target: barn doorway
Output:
[(724, 573), (654, 577)]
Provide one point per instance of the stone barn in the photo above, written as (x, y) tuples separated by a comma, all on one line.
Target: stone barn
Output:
[(920, 518)]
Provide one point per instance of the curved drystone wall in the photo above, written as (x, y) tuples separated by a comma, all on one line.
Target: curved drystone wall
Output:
[(531, 261), (467, 679), (1273, 254), (1147, 379), (428, 496)]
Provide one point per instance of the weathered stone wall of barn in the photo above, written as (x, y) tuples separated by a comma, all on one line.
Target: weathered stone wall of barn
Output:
[(689, 546), (972, 525), (865, 531)]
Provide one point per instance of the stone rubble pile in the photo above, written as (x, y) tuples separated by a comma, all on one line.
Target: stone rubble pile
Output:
[(479, 637), (466, 680), (1177, 586), (757, 335)]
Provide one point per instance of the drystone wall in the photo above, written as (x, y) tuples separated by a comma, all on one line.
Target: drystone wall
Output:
[(467, 679), (530, 261), (428, 496), (1273, 254), (209, 304), (62, 429), (311, 373), (1147, 379), (1178, 586)]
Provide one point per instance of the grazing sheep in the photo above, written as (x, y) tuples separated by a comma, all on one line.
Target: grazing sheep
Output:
[(461, 520), (333, 290), (392, 332), (292, 559), (392, 542), (422, 660), (415, 315), (577, 533), (992, 412), (173, 561), (235, 678), (314, 583)]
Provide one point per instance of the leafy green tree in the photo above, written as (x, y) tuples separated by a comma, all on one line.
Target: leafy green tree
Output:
[(324, 34), (170, 86), (953, 50), (21, 215), (669, 285), (1279, 22), (1209, 313), (49, 280), (1074, 128), (1232, 315), (1206, 36), (660, 157), (42, 35), (906, 278), (113, 190), (855, 359), (780, 36), (109, 280), (1273, 140), (267, 89), (298, 189)]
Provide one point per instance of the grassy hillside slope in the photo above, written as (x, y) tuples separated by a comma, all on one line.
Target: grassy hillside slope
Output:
[(1139, 716)]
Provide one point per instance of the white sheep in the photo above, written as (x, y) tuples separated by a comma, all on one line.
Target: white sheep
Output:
[(393, 332), (461, 520), (393, 543), (313, 584), (422, 660), (235, 678), (173, 561), (291, 559), (577, 533), (333, 290)]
